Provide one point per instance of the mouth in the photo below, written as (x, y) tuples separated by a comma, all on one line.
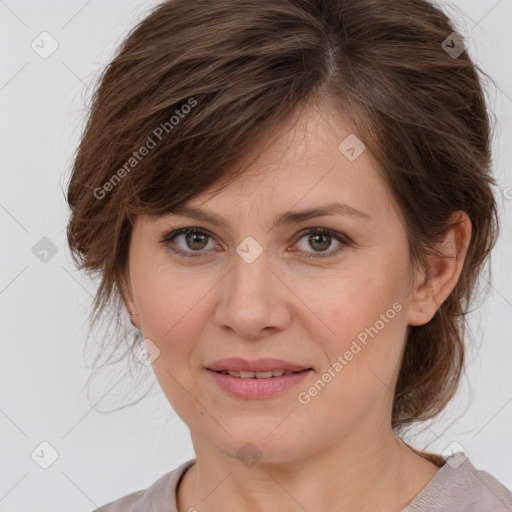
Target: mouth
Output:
[(263, 378), (263, 368), (258, 375)]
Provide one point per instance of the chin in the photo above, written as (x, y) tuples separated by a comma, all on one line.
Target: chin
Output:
[(272, 441)]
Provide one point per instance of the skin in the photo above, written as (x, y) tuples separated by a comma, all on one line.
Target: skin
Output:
[(338, 451)]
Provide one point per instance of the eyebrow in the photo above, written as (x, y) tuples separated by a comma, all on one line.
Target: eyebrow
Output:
[(282, 219)]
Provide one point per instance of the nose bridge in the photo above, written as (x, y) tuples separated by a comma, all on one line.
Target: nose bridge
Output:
[(249, 301), (250, 275)]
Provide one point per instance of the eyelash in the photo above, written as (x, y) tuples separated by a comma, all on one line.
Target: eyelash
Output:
[(343, 239)]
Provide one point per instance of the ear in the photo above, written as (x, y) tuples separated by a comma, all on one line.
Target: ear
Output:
[(127, 297), (443, 272)]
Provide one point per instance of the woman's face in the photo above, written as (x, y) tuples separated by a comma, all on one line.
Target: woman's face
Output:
[(336, 301)]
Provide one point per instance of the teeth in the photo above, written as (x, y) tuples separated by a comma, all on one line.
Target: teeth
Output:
[(257, 375)]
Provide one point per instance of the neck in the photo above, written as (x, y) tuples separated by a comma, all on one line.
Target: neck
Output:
[(354, 475)]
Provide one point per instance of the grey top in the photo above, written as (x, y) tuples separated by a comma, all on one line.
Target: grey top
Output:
[(456, 487)]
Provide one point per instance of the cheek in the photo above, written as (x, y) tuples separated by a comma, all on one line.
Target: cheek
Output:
[(171, 309), (362, 356), (173, 315), (365, 315), (358, 303), (162, 294)]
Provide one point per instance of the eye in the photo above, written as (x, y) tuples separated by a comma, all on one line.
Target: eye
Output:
[(321, 239), (196, 239)]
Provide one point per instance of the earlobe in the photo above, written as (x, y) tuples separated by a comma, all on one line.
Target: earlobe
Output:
[(134, 319), (127, 298), (443, 272)]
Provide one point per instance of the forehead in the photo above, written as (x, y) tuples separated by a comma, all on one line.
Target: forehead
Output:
[(306, 164), (303, 166)]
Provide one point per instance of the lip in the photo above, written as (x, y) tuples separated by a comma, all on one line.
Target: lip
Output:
[(257, 388), (238, 364)]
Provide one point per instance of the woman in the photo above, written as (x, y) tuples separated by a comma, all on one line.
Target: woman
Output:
[(292, 200)]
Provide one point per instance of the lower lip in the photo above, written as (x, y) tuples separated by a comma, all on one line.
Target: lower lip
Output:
[(257, 388)]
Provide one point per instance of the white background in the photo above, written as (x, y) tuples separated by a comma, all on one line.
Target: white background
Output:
[(44, 306)]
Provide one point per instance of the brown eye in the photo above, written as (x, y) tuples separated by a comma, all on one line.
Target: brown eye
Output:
[(321, 239), (195, 240), (188, 241)]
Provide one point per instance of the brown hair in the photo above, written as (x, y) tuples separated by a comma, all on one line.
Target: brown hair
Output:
[(200, 83)]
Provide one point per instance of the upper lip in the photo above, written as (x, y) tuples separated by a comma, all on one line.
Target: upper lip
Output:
[(238, 364)]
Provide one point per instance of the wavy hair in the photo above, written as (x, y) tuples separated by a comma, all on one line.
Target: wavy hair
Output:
[(198, 84)]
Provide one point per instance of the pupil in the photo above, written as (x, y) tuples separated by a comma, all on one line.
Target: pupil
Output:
[(194, 237), (315, 237)]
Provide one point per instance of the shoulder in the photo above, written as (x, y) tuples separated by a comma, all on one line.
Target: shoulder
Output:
[(485, 492), (458, 485), (160, 494)]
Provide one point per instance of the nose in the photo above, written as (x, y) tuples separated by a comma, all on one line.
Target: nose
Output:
[(254, 302)]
